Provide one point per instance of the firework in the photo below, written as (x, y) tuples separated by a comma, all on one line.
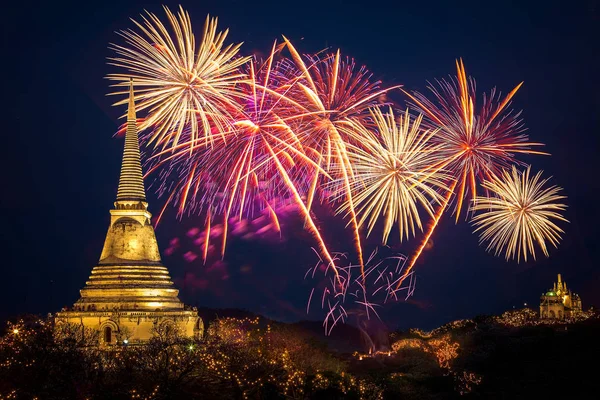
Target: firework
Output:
[(521, 213), (185, 89), (257, 166), (332, 93), (394, 171), (477, 144), (255, 169), (374, 285)]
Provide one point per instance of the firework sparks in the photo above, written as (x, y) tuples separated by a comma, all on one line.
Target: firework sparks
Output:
[(432, 226), (394, 171), (368, 291), (477, 145), (332, 93), (254, 168), (311, 126), (185, 89), (520, 213)]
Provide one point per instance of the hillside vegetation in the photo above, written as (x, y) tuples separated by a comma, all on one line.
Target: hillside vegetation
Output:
[(509, 356)]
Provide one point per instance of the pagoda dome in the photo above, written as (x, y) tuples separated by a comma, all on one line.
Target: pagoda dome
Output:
[(129, 240)]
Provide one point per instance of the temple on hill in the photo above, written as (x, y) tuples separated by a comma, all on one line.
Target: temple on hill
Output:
[(129, 296), (559, 302)]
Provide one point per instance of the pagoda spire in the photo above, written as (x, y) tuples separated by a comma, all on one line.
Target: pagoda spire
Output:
[(560, 284), (131, 181)]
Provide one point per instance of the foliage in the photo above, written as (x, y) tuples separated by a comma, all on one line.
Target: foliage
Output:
[(247, 358), (236, 359)]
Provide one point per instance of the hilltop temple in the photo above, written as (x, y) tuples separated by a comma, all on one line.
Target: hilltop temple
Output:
[(559, 302), (130, 296)]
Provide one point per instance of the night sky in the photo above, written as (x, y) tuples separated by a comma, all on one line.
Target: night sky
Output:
[(60, 159)]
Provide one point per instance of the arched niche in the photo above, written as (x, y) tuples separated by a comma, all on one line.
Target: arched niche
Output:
[(108, 333)]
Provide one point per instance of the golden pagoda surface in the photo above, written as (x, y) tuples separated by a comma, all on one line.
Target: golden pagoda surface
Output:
[(130, 296)]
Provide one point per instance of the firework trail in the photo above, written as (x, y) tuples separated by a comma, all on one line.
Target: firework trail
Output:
[(477, 144), (394, 171), (257, 168), (332, 93), (519, 213), (187, 89), (368, 290)]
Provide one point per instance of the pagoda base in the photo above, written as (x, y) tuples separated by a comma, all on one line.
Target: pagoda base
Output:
[(133, 327)]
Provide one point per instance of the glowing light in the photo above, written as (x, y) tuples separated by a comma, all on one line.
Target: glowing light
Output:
[(187, 89), (394, 172), (476, 144), (332, 93), (519, 214)]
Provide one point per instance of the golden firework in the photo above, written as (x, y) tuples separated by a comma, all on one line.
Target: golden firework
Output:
[(333, 91), (478, 141), (184, 88), (520, 212), (394, 171)]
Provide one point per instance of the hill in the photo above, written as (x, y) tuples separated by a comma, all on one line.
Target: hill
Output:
[(243, 355), (515, 355)]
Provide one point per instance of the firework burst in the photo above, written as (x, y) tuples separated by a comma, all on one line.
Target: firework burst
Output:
[(519, 214), (394, 171), (185, 89), (257, 167), (253, 170), (332, 93), (477, 144)]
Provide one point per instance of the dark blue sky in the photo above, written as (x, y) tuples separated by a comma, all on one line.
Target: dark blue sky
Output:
[(60, 161)]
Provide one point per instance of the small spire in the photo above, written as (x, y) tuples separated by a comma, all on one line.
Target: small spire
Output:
[(131, 182), (131, 105)]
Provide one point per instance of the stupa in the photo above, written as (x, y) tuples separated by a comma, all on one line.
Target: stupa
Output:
[(130, 296)]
